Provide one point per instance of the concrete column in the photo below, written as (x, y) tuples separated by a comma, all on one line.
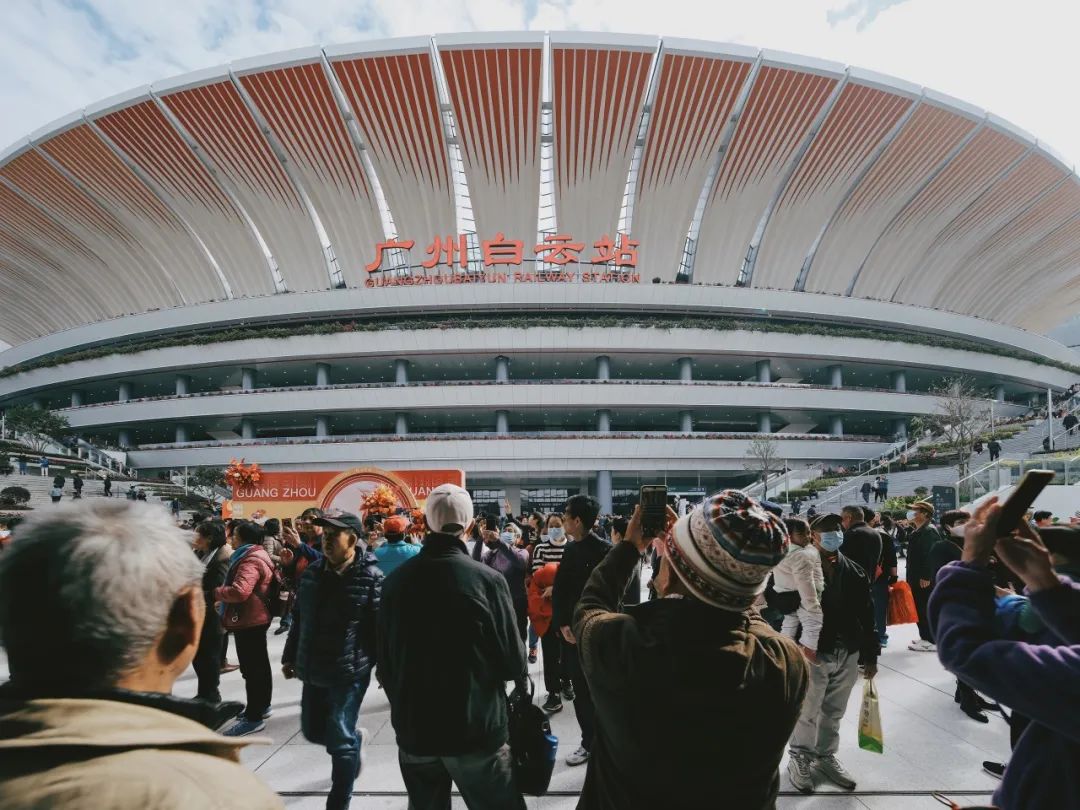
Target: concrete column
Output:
[(401, 371), (248, 379), (603, 421), (900, 428), (764, 371), (502, 422), (124, 438), (603, 491), (322, 374), (181, 434), (401, 424), (686, 369), (836, 376), (686, 422), (247, 428), (899, 381), (603, 367), (836, 425), (999, 392), (513, 494), (764, 423), (76, 399), (502, 369), (183, 385), (125, 392), (322, 426), (1034, 401)]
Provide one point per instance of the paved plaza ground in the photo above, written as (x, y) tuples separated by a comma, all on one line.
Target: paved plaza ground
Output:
[(929, 745)]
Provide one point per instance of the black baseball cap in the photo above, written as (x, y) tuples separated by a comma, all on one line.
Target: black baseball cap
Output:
[(345, 520)]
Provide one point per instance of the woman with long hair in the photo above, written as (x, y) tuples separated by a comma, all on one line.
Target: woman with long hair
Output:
[(214, 551)]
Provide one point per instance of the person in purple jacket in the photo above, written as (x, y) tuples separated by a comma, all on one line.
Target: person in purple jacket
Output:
[(499, 552), (1041, 681)]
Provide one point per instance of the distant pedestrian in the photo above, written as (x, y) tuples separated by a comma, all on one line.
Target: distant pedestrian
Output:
[(174, 507), (107, 487), (56, 494), (866, 489), (22, 465), (994, 446), (77, 485), (44, 465), (140, 494)]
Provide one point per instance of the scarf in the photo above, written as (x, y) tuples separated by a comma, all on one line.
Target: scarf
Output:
[(234, 560)]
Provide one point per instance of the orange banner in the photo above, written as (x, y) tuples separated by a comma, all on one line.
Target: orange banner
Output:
[(287, 494)]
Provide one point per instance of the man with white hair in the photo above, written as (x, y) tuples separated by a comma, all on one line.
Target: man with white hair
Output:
[(101, 609), (447, 644)]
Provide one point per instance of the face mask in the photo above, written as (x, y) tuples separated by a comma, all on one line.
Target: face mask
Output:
[(556, 534), (545, 536), (831, 541), (911, 514), (507, 538), (957, 530)]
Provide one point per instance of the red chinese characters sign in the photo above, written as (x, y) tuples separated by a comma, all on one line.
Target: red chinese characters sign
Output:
[(556, 249)]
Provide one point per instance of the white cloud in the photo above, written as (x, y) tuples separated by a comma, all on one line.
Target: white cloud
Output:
[(1016, 60)]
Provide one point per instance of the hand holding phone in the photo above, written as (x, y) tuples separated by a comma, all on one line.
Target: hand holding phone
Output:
[(653, 502), (1012, 511)]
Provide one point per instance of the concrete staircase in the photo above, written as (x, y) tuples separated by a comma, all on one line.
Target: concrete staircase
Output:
[(900, 483), (39, 487)]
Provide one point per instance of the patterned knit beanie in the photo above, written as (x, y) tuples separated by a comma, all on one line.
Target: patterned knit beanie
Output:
[(724, 549)]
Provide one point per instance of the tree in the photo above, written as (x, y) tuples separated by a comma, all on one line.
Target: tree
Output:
[(961, 415), (762, 457), (206, 481), (37, 428)]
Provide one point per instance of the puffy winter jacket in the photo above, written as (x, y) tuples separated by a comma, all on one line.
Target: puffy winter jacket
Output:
[(332, 639), (245, 591)]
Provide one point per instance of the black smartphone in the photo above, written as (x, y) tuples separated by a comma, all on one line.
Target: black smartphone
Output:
[(1033, 482), (653, 500)]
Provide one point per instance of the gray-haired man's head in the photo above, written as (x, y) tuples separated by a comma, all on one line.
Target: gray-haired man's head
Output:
[(95, 593)]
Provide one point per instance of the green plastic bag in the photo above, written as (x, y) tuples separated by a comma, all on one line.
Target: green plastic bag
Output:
[(870, 735)]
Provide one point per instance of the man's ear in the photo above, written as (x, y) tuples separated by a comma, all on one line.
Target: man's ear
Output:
[(184, 626)]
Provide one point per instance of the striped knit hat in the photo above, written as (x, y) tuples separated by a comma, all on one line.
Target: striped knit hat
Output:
[(724, 549)]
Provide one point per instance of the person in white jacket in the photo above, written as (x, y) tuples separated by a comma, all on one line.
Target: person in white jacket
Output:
[(801, 571)]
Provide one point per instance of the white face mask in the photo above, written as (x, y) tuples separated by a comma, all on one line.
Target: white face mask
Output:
[(831, 541), (957, 530), (556, 534), (911, 514)]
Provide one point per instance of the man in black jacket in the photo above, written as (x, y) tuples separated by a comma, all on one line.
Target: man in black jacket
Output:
[(879, 587), (848, 638), (448, 643), (862, 545), (331, 648), (582, 555), (921, 538)]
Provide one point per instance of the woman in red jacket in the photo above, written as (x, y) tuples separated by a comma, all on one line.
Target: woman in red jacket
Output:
[(540, 609), (242, 604)]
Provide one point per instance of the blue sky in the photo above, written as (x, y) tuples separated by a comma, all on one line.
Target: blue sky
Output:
[(1017, 60)]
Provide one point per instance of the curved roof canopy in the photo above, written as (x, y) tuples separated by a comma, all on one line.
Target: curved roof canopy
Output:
[(739, 166)]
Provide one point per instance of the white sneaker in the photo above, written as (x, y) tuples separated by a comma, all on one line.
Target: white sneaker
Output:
[(931, 647), (831, 769), (918, 645), (800, 773), (579, 757)]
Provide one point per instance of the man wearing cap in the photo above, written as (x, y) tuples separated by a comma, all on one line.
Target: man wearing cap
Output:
[(716, 666), (921, 538), (395, 550), (448, 643), (848, 638), (331, 647)]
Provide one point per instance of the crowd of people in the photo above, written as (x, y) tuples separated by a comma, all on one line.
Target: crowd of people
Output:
[(726, 620)]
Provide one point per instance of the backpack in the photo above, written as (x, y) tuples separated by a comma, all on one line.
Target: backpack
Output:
[(277, 597), (533, 747)]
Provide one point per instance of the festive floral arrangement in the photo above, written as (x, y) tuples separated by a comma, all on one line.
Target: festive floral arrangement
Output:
[(380, 501), (418, 525), (237, 475)]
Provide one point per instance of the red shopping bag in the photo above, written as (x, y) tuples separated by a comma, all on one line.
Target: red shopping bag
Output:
[(901, 604)]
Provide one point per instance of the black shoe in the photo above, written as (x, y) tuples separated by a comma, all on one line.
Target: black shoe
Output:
[(532, 656), (282, 628), (973, 712), (988, 705), (568, 693), (995, 769), (552, 704)]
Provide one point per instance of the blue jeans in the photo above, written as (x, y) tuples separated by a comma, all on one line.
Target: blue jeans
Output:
[(328, 716), (879, 592), (533, 638)]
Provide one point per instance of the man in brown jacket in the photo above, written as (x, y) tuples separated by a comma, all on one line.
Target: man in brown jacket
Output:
[(728, 686), (101, 610)]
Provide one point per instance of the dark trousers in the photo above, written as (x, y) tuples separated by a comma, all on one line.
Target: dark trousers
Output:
[(879, 592), (328, 716), (521, 612), (583, 705), (255, 667), (486, 781), (208, 659), (555, 676), (922, 596)]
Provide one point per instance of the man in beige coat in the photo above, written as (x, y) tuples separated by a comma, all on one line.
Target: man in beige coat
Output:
[(100, 612)]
